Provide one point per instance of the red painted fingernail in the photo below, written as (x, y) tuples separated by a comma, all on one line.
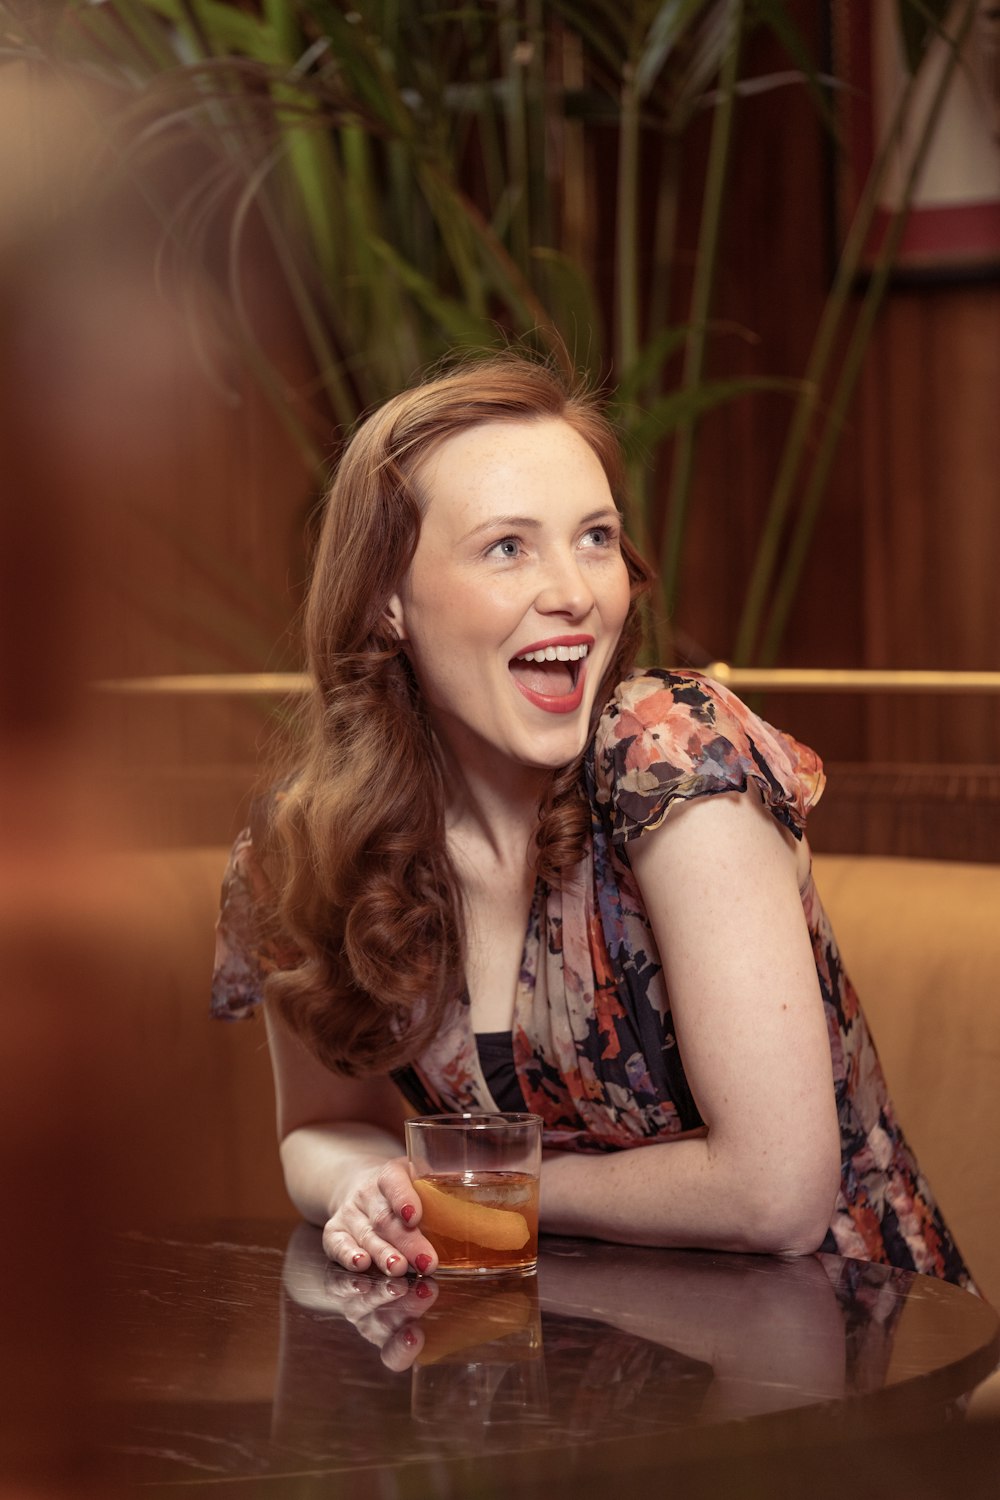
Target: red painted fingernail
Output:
[(422, 1289), (422, 1262), (409, 1337), (391, 1262), (406, 1212), (357, 1259)]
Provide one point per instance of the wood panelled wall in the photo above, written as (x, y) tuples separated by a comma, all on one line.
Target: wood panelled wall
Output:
[(903, 564), (903, 569), (929, 424), (200, 499)]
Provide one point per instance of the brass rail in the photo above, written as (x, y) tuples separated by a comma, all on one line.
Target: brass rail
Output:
[(220, 684), (850, 680), (746, 679)]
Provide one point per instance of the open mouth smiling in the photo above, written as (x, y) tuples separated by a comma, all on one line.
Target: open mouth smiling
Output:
[(550, 674)]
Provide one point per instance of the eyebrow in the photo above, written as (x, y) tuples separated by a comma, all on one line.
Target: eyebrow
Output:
[(531, 523)]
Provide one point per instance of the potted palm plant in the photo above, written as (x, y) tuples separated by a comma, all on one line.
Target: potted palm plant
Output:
[(428, 178)]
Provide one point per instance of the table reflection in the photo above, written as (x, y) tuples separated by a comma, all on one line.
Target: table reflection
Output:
[(603, 1338), (258, 1359)]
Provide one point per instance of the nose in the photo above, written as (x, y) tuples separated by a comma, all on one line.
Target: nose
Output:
[(564, 588)]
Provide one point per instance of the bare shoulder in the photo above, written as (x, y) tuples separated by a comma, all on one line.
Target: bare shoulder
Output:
[(731, 836)]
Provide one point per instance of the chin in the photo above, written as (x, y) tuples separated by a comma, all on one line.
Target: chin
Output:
[(558, 754)]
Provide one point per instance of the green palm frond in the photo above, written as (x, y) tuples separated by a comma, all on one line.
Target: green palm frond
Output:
[(422, 177)]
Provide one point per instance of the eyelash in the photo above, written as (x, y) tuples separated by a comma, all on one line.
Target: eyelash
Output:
[(610, 536)]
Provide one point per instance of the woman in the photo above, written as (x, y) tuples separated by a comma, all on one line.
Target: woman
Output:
[(507, 873)]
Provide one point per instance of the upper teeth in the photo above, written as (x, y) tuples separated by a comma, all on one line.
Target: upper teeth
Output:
[(555, 653)]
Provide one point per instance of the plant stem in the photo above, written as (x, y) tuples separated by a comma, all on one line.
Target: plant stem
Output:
[(664, 249), (694, 358), (515, 113), (536, 119), (626, 226)]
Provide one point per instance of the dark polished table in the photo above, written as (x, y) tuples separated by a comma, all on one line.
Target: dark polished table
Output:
[(246, 1365)]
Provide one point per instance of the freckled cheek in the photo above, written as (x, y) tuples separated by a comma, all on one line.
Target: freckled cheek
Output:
[(617, 599), (488, 615)]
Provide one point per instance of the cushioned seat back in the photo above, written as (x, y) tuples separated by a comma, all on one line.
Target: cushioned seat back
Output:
[(921, 941)]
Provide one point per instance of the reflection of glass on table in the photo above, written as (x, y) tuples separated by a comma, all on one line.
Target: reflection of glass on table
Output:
[(481, 1360)]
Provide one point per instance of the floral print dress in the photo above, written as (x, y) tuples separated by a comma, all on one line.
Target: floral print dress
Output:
[(593, 1041)]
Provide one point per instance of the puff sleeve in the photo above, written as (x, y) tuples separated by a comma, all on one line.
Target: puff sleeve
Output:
[(668, 737)]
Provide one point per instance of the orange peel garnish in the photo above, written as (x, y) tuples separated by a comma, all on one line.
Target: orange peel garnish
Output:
[(459, 1219)]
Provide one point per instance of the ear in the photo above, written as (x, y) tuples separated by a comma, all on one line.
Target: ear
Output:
[(395, 617)]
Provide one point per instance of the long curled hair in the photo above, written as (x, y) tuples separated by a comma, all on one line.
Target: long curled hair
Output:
[(366, 889)]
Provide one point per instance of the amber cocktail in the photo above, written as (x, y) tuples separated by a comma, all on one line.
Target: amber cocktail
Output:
[(476, 1175)]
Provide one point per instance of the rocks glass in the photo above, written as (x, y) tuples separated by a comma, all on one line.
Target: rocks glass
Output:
[(476, 1175)]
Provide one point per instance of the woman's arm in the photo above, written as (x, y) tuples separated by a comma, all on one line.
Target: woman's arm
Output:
[(341, 1152), (719, 880)]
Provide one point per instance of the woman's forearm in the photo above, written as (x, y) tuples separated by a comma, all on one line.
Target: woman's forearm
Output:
[(674, 1193), (320, 1160), (687, 1193)]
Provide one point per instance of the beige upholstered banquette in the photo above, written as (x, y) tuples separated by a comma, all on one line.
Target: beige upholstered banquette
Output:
[(921, 940)]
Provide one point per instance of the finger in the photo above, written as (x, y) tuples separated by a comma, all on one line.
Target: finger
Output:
[(377, 1229), (399, 1352), (381, 1322), (343, 1291), (383, 1255), (377, 1317), (416, 1251), (393, 1326), (353, 1240), (369, 1232), (396, 1186), (356, 1296), (401, 1301), (343, 1248), (425, 1294)]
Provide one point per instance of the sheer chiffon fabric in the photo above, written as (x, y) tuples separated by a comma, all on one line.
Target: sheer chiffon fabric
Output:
[(594, 1049)]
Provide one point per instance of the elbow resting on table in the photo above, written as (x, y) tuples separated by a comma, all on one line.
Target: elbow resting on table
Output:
[(792, 1235), (789, 1224)]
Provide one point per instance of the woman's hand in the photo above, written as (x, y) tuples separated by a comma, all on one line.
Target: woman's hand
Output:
[(340, 1143), (376, 1224)]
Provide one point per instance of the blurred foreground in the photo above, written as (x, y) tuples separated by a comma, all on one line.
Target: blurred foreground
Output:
[(93, 350)]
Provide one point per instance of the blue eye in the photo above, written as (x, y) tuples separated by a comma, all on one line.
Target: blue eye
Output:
[(600, 536), (507, 546)]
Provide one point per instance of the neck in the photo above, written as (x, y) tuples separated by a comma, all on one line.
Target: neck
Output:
[(492, 802)]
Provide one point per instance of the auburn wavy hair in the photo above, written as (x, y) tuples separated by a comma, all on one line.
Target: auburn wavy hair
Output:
[(366, 889)]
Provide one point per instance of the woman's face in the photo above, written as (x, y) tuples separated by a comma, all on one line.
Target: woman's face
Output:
[(517, 593)]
